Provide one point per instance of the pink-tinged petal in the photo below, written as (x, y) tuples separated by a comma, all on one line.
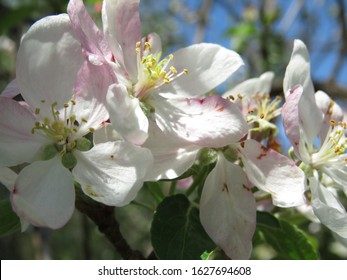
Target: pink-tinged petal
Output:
[(8, 179), (228, 209), (115, 171), (172, 156), (90, 36), (208, 65), (11, 90), (126, 115), (251, 87), (297, 114), (47, 63), (44, 194), (209, 122), (330, 110), (122, 28), (298, 70), (327, 208), (290, 117), (91, 88), (17, 142), (273, 173)]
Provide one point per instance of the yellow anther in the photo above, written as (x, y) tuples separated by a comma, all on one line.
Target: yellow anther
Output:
[(147, 46), (166, 80), (332, 123), (37, 111), (91, 130), (66, 105), (173, 70), (138, 44), (239, 96), (250, 111), (73, 102), (84, 120), (37, 124), (143, 60), (171, 56), (262, 115), (137, 50), (185, 71)]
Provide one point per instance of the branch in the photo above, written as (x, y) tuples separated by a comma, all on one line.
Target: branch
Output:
[(202, 21), (103, 216)]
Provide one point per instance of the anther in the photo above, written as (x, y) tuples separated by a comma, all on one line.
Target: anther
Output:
[(262, 115), (66, 105), (185, 71), (231, 97), (171, 56), (173, 70), (37, 111), (239, 96), (73, 102), (91, 130)]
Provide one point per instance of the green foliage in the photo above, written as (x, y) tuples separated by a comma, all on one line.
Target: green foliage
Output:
[(176, 231), (10, 222), (286, 239)]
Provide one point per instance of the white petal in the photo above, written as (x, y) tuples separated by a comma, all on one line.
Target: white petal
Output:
[(172, 156), (122, 29), (155, 42), (11, 90), (327, 208), (112, 172), (298, 70), (274, 174), (252, 87), (17, 143), (228, 209), (106, 134), (91, 88), (47, 62), (7, 178), (209, 65), (126, 115), (44, 194), (209, 122)]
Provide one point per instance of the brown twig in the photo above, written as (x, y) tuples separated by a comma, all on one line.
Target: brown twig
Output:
[(103, 216)]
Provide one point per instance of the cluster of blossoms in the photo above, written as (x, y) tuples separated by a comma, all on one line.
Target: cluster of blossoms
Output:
[(105, 110)]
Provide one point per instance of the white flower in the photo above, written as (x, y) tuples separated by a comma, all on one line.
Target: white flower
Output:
[(147, 87), (48, 132), (313, 124)]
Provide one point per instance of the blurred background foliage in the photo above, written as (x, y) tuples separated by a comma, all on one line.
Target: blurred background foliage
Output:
[(262, 31)]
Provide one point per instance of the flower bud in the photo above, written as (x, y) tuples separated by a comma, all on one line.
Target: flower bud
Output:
[(49, 152), (208, 156), (83, 144), (69, 160)]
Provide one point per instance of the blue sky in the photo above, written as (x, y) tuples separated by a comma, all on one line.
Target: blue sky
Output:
[(326, 34)]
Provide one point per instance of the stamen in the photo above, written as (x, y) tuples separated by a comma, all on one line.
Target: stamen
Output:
[(37, 111)]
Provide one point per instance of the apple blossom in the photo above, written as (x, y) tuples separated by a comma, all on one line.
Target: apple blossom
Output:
[(314, 125), (151, 88), (48, 132)]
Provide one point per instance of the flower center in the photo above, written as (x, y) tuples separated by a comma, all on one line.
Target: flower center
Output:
[(61, 127), (153, 71), (333, 149)]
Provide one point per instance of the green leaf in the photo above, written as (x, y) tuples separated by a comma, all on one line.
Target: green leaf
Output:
[(288, 240), (244, 29), (176, 231), (10, 222), (265, 219)]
